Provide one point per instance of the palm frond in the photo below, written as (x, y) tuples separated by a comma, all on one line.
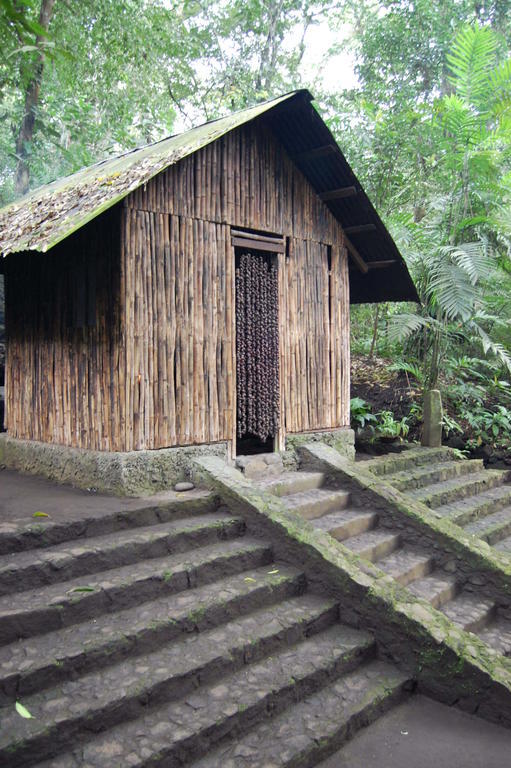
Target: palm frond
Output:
[(471, 60)]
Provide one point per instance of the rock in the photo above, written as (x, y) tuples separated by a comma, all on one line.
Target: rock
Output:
[(184, 486), (255, 468)]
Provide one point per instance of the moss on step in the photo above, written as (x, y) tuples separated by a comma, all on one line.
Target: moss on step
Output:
[(449, 663)]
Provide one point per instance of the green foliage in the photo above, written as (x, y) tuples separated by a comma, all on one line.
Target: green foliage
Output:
[(360, 412), (389, 427)]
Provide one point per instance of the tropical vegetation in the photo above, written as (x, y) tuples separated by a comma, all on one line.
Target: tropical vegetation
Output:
[(424, 119)]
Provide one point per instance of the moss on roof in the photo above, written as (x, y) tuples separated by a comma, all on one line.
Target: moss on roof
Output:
[(50, 213)]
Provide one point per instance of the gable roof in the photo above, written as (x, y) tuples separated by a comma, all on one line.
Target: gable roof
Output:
[(49, 214)]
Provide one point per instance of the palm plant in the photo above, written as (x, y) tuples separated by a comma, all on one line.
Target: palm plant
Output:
[(451, 250)]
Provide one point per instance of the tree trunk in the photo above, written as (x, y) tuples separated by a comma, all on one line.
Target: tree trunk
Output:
[(375, 330), (26, 131)]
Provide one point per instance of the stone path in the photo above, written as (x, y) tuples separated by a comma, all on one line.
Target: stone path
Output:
[(426, 475), (167, 634)]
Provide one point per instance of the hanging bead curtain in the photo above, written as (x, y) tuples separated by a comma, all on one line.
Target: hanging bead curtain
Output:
[(257, 347)]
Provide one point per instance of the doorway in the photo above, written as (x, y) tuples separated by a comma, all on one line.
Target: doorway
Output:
[(257, 351)]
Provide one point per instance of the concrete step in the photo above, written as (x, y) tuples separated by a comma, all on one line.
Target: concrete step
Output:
[(435, 589), (470, 612), (459, 488), (473, 508), (170, 732), (406, 565), (292, 482), (31, 533), (493, 528), (20, 571), (30, 665), (406, 459), (504, 545), (316, 727), (424, 475), (346, 523), (60, 605), (316, 503), (497, 634), (373, 545)]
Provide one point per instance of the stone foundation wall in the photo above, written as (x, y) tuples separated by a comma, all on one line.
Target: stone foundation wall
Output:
[(135, 473)]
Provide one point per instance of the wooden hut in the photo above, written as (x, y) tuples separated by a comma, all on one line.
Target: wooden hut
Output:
[(194, 291)]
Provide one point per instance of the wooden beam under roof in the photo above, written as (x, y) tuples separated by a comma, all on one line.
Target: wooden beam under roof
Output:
[(311, 154), (336, 194), (357, 229), (381, 264), (357, 258)]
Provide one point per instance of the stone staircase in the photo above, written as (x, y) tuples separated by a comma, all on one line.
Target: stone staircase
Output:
[(171, 636), (476, 499), (366, 534)]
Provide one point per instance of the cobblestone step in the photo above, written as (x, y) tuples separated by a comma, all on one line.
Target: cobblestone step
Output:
[(406, 565), (471, 612), (410, 458), (285, 632), (292, 482), (31, 533), (476, 507), (30, 665), (504, 545), (316, 727), (493, 528), (435, 589), (458, 488), (20, 571), (373, 545), (498, 635), (425, 475), (190, 726), (316, 503), (346, 523), (59, 605)]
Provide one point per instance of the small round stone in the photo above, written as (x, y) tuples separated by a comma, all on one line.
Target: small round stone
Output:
[(184, 486)]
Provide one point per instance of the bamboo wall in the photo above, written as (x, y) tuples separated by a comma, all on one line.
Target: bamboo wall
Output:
[(64, 356), (180, 268), (144, 358)]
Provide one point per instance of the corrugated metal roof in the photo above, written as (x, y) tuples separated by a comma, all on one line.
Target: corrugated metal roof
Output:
[(44, 217)]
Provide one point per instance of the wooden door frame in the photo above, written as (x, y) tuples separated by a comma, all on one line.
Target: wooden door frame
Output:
[(258, 242)]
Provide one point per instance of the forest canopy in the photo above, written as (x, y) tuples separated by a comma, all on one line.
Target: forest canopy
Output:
[(417, 93)]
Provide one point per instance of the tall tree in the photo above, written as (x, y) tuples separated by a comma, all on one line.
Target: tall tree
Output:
[(32, 88)]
